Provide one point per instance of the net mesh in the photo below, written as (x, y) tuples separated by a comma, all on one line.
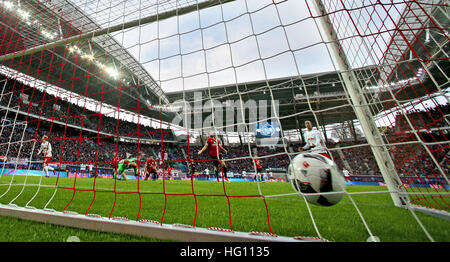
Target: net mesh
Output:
[(134, 79)]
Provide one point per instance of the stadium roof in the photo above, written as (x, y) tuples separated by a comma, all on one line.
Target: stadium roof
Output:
[(417, 34), (419, 44), (323, 90)]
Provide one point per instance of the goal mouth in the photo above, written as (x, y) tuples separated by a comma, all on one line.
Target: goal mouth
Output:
[(144, 228)]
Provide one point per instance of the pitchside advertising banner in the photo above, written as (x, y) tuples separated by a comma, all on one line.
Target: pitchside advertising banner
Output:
[(175, 174), (15, 160), (25, 172)]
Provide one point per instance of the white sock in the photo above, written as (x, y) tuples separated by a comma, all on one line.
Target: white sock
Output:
[(46, 170)]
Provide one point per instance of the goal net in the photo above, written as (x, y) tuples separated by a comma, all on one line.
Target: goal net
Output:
[(102, 82)]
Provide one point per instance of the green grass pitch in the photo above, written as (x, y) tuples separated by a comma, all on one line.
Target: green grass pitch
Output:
[(236, 205)]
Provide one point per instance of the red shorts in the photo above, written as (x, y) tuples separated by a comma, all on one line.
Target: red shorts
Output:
[(325, 154), (151, 170), (47, 160)]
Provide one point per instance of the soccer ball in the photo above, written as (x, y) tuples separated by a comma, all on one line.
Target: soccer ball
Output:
[(314, 173)]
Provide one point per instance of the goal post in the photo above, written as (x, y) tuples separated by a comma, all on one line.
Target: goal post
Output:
[(362, 111), (404, 40)]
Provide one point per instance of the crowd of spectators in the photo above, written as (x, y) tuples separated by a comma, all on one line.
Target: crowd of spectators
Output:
[(31, 101), (359, 160), (20, 142), (414, 159), (240, 158), (426, 118)]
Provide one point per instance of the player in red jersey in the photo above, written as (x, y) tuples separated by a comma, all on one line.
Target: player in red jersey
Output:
[(258, 168), (115, 163), (169, 171), (215, 149), (151, 168)]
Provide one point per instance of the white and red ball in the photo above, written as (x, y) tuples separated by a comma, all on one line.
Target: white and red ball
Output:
[(313, 174)]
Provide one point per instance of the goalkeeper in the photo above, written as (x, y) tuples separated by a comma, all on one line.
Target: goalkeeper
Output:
[(125, 164)]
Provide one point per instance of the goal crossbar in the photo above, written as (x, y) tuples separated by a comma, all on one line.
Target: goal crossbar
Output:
[(137, 228)]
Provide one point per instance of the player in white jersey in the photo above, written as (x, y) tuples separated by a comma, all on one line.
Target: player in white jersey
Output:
[(346, 174), (206, 172), (46, 151), (314, 141)]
